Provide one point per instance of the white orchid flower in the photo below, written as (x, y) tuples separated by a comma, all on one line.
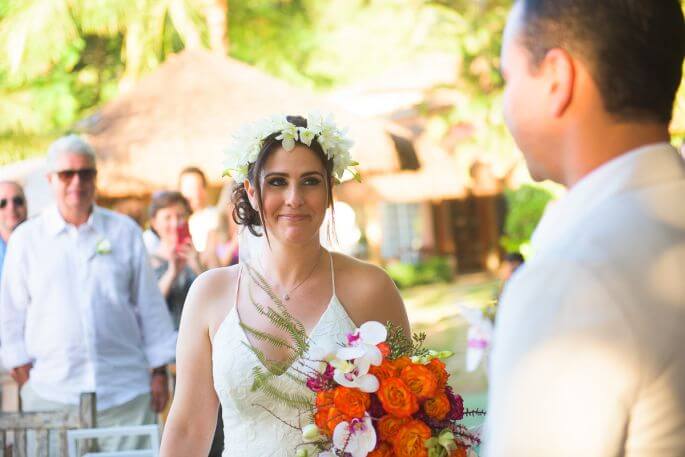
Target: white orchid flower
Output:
[(352, 362), (322, 351), (357, 437), (361, 346), (347, 374)]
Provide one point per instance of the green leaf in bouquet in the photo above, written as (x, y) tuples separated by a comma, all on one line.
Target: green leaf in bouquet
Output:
[(277, 368), (279, 317), (296, 378), (267, 337), (401, 345), (263, 383)]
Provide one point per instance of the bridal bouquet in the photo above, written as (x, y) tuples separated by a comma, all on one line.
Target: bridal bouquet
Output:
[(377, 394), (380, 395)]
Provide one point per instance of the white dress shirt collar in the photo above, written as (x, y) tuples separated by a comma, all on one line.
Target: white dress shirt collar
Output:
[(56, 223), (638, 168)]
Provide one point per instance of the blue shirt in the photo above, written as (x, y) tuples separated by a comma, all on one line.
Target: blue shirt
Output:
[(3, 249)]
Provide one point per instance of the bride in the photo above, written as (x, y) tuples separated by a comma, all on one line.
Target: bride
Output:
[(285, 167)]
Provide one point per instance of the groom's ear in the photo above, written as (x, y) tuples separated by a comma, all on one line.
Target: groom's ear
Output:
[(560, 72)]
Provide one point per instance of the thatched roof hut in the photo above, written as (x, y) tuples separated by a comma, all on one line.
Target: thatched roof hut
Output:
[(184, 113)]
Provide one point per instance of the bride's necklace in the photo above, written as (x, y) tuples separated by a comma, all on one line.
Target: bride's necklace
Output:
[(286, 296)]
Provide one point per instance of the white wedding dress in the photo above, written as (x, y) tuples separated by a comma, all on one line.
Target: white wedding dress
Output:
[(249, 429)]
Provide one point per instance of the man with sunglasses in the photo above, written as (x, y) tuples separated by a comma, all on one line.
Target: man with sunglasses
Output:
[(80, 310), (12, 213)]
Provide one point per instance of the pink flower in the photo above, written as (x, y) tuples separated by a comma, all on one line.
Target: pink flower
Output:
[(321, 381), (456, 403)]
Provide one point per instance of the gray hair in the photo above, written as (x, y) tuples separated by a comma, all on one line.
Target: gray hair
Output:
[(69, 144)]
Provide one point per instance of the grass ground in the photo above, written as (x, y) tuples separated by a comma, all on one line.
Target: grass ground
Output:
[(433, 309)]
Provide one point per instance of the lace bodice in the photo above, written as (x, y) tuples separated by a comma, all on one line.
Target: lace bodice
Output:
[(249, 429)]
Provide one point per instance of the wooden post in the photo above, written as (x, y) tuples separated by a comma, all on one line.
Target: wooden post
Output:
[(87, 416), (20, 443), (63, 445), (42, 444)]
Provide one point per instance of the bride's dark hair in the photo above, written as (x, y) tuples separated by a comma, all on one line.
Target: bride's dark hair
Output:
[(243, 212)]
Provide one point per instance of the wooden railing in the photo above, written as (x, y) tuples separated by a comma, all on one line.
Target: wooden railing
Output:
[(20, 423)]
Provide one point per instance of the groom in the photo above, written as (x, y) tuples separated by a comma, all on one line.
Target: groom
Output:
[(588, 351)]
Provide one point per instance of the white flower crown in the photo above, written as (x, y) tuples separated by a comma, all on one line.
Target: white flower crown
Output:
[(247, 143)]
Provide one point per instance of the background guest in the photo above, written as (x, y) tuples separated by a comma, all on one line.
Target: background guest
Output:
[(176, 263), (222, 242), (80, 310), (13, 211), (192, 183)]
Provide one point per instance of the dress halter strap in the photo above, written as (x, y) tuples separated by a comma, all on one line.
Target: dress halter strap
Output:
[(237, 287), (330, 255)]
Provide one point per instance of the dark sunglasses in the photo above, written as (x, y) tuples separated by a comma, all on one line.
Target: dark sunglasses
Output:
[(18, 201), (84, 174)]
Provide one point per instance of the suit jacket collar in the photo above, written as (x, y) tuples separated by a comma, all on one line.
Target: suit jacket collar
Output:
[(639, 168)]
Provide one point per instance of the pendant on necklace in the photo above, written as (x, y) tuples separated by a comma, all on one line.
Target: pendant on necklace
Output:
[(286, 297)]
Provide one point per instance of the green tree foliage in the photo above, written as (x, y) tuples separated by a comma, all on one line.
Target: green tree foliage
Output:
[(432, 270), (61, 58), (525, 206), (476, 28)]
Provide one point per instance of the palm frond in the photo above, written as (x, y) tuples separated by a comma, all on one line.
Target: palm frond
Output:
[(34, 35)]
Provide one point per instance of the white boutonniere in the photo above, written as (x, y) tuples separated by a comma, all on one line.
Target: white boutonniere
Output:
[(103, 247)]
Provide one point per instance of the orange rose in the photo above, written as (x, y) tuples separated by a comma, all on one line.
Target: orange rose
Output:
[(437, 407), (335, 416), (384, 371), (321, 420), (401, 362), (382, 450), (420, 380), (352, 402), (410, 439), (384, 348), (438, 369), (396, 398), (459, 452), (324, 402), (388, 426), (324, 399)]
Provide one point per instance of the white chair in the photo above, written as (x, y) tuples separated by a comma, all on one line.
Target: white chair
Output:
[(89, 433)]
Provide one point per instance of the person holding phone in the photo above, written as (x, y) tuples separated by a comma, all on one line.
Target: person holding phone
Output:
[(176, 263)]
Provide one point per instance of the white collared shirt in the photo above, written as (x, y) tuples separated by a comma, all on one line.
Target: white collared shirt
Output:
[(83, 305), (587, 356), (202, 222)]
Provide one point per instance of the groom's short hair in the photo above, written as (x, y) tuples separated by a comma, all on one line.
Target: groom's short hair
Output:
[(634, 48)]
